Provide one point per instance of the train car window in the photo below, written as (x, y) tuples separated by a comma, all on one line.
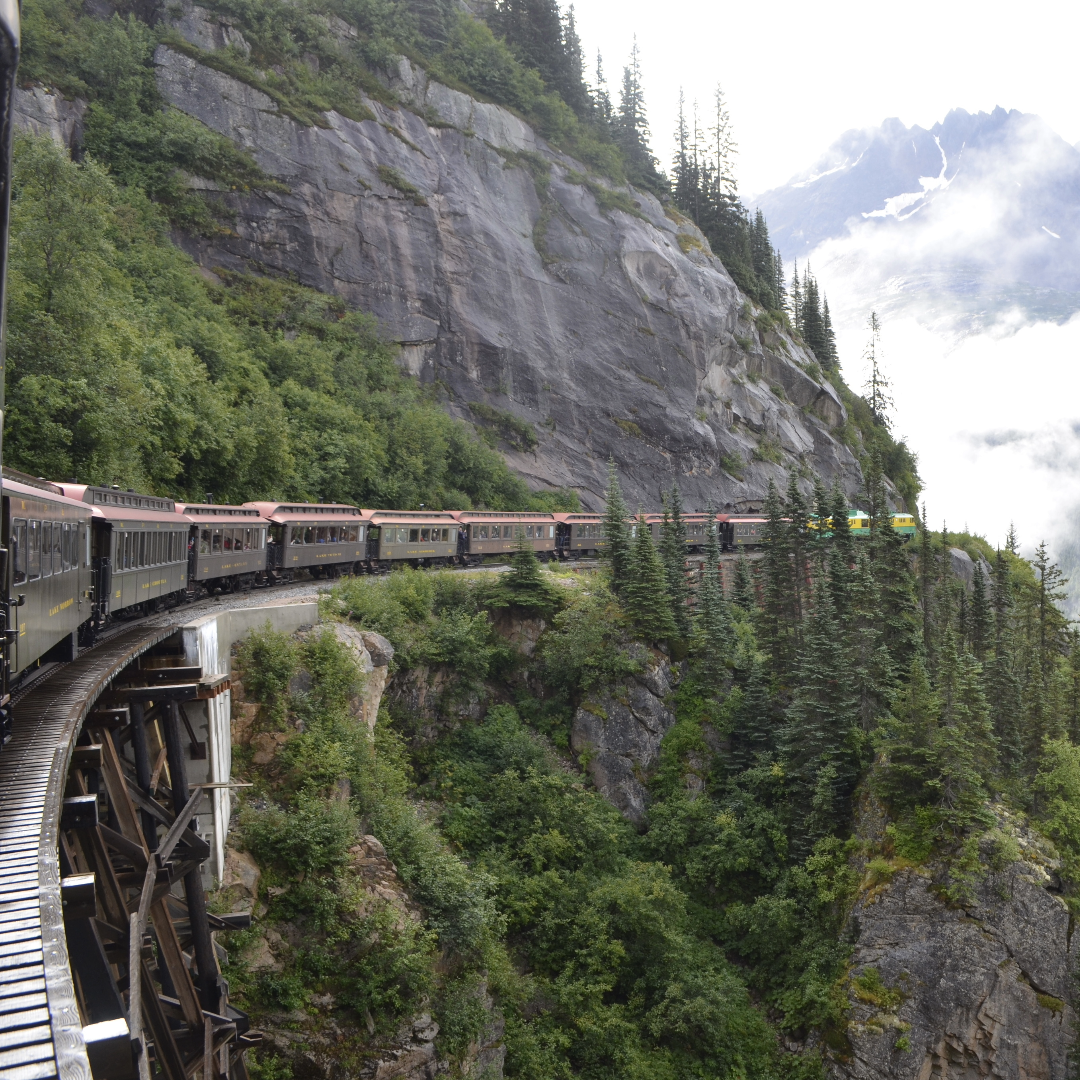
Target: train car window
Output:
[(551, 531), (66, 554), (414, 536), (34, 550), (58, 548), (331, 534), (320, 534), (309, 535), (296, 535), (358, 533), (143, 554), (204, 541), (18, 550), (46, 549), (215, 542), (425, 535), (262, 539), (226, 540), (247, 539), (446, 536), (483, 532)]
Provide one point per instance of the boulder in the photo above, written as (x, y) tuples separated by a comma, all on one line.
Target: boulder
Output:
[(240, 879)]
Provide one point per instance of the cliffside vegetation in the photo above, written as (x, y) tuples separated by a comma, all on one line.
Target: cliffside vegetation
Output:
[(127, 366), (829, 667), (308, 59)]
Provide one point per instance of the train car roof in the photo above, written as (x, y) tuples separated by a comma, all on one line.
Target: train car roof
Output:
[(207, 513), (111, 499), (440, 517), (565, 517), (501, 515), (16, 489), (281, 512)]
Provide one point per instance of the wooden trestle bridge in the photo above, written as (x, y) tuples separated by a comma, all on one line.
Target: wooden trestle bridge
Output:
[(108, 965)]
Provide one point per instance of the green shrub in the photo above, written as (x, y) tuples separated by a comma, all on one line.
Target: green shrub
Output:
[(312, 838), (268, 661)]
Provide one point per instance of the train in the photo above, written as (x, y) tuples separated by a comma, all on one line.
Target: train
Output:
[(82, 556)]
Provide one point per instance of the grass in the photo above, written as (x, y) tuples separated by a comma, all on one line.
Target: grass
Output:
[(519, 433), (733, 464), (688, 242), (630, 428), (869, 988), (744, 343), (608, 199), (392, 178)]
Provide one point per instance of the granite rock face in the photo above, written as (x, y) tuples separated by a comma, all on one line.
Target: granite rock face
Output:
[(45, 112), (976, 989), (619, 734), (486, 254)]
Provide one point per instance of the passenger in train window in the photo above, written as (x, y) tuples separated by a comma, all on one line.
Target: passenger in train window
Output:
[(320, 534), (204, 541), (34, 550), (247, 539), (215, 542), (18, 551), (296, 535), (226, 540), (46, 549), (425, 535), (309, 535), (483, 532), (332, 534)]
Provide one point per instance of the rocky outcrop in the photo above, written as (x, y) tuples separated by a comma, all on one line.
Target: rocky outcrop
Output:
[(975, 987), (617, 734), (46, 112), (372, 653), (519, 284), (963, 566)]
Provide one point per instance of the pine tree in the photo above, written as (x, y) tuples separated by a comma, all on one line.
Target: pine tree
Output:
[(777, 614), (799, 540), (526, 585), (572, 87), (754, 737), (1001, 681), (673, 554), (616, 530), (779, 285), (980, 615), (601, 97), (762, 253), (820, 741), (743, 594), (877, 385), (682, 178), (831, 360), (795, 299), (712, 631), (1012, 544), (644, 596), (813, 326), (632, 127)]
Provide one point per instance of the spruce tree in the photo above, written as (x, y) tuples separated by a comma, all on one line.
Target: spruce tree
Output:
[(776, 619), (673, 554), (800, 538), (601, 98), (841, 546), (754, 738), (645, 596), (1000, 678), (831, 360), (927, 568), (820, 742), (795, 299), (712, 631), (813, 326), (980, 615), (779, 284), (743, 594), (616, 530), (632, 127)]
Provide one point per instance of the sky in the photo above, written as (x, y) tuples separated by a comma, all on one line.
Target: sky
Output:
[(796, 75), (994, 444)]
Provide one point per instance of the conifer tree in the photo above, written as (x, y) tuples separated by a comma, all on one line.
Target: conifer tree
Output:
[(1012, 543), (877, 385), (1073, 687), (743, 594), (980, 615), (841, 546), (526, 585), (762, 253), (873, 669), (645, 596), (632, 126), (1002, 683), (795, 299), (713, 627), (755, 734), (799, 539), (673, 554), (821, 743), (831, 360), (601, 97), (813, 326), (779, 283), (927, 574), (777, 616), (616, 530)]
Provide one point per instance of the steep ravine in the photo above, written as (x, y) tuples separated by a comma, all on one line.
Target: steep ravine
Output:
[(487, 255)]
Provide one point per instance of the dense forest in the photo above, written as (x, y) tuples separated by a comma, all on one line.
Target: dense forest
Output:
[(833, 673), (128, 366)]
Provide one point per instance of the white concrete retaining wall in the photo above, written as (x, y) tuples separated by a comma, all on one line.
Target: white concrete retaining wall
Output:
[(208, 642)]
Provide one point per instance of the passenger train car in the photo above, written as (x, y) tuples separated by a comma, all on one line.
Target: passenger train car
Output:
[(226, 548), (325, 539), (494, 532), (425, 538)]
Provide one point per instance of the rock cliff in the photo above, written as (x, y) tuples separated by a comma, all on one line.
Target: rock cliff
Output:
[(968, 986), (574, 319)]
